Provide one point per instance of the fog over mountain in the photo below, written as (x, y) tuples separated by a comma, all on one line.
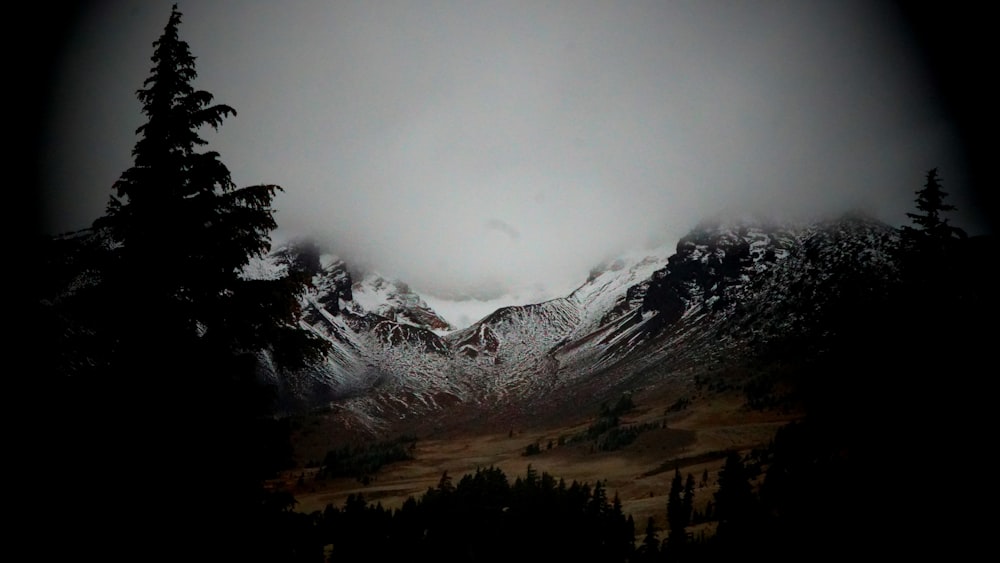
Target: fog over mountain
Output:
[(483, 148)]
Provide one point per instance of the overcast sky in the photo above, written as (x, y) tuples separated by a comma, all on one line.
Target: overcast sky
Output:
[(477, 146)]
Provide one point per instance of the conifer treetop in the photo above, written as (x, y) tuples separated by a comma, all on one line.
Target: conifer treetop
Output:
[(185, 233), (929, 222)]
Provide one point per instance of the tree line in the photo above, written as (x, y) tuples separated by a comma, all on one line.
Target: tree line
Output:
[(363, 461), (790, 500), (482, 517)]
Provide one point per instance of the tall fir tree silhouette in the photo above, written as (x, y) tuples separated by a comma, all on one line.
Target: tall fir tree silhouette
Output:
[(183, 231), (931, 229), (180, 331), (735, 503)]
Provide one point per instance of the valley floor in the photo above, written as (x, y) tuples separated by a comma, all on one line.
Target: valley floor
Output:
[(694, 439)]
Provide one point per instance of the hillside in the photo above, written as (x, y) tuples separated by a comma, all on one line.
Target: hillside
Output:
[(729, 294)]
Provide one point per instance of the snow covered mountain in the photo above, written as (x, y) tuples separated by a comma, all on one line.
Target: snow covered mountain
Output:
[(731, 291), (726, 292)]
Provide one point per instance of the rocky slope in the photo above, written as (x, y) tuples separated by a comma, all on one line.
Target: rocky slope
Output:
[(728, 291)]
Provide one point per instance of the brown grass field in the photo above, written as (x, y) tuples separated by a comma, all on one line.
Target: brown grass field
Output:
[(694, 440)]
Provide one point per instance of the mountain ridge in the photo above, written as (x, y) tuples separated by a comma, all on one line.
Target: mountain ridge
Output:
[(727, 291)]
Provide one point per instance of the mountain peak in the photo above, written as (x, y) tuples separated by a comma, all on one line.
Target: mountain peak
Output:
[(395, 300), (725, 290)]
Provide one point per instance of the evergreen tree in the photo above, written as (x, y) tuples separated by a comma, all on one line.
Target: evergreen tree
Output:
[(735, 503), (650, 548), (948, 290), (181, 232), (687, 502), (598, 500), (931, 230), (173, 332), (675, 518), (680, 504), (444, 484)]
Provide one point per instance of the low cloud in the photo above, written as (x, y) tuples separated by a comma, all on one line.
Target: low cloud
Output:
[(503, 227), (476, 148)]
